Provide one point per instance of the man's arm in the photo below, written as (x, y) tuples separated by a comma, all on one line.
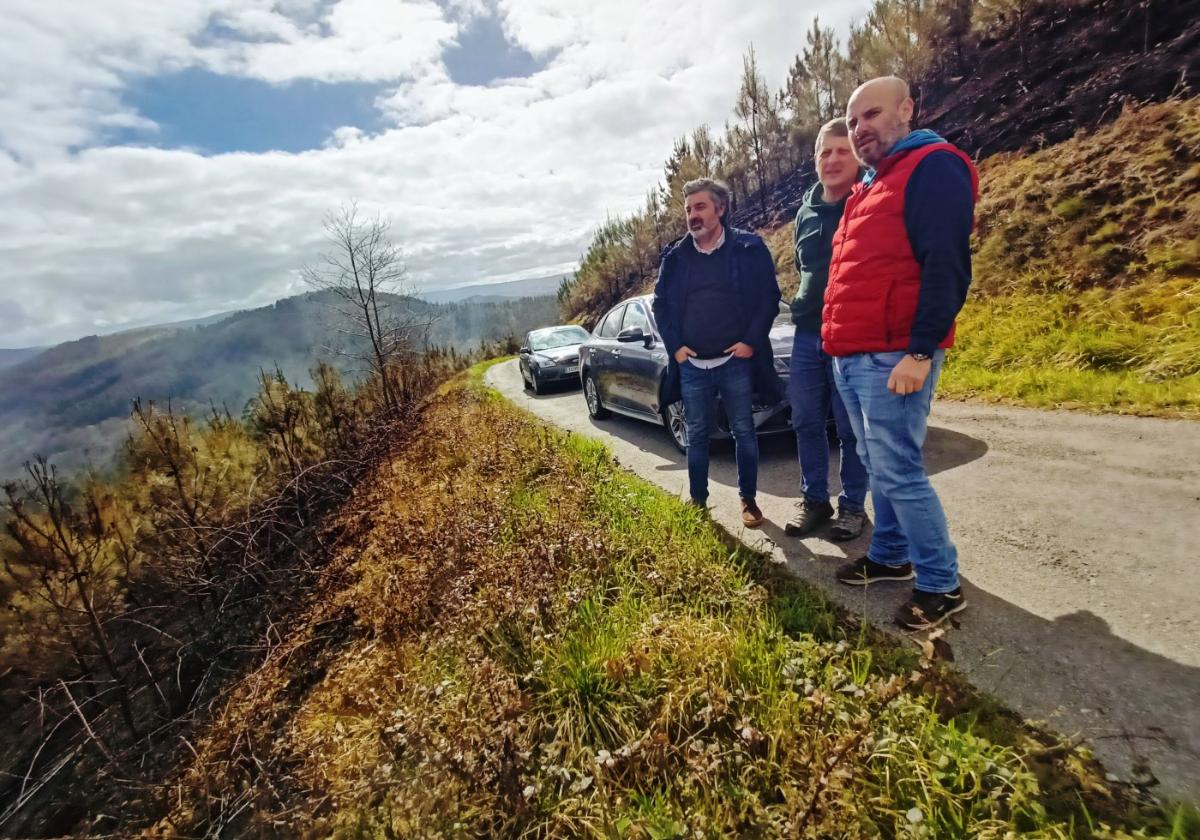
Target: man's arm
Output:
[(796, 240), (661, 309), (764, 307), (939, 206)]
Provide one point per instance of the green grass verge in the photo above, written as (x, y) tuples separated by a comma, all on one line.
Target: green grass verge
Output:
[(662, 681), (1128, 351)]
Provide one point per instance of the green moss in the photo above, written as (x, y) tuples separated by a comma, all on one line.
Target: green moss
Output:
[(1070, 208), (1107, 231)]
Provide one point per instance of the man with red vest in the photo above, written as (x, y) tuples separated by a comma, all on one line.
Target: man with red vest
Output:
[(899, 275)]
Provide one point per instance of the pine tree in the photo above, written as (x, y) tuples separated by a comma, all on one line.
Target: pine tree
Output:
[(753, 107), (826, 74), (704, 149), (895, 39)]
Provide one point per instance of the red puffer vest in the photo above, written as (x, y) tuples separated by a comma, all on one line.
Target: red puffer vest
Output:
[(874, 278)]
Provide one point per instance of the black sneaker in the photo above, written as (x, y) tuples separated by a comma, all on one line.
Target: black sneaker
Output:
[(864, 570), (926, 610), (848, 525), (809, 516)]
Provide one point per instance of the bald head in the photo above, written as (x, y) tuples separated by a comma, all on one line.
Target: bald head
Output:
[(878, 114), (889, 88)]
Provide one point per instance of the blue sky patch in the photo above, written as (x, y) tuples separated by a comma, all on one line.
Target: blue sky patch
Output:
[(198, 109), (484, 55)]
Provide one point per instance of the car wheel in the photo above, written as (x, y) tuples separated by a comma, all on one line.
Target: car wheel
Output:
[(673, 419), (591, 394), (536, 383), (525, 378)]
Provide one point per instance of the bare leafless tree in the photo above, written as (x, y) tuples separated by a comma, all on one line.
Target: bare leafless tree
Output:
[(365, 274)]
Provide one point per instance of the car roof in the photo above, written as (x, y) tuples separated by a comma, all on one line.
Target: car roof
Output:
[(638, 298), (559, 327)]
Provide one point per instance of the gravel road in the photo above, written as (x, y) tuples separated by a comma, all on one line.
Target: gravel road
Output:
[(1079, 541)]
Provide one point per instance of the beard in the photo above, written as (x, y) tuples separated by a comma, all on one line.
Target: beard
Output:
[(880, 144)]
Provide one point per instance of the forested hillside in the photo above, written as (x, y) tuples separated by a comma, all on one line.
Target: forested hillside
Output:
[(1062, 210), (72, 401), (15, 356)]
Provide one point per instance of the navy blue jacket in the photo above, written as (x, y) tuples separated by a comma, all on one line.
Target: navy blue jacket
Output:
[(758, 298), (939, 208)]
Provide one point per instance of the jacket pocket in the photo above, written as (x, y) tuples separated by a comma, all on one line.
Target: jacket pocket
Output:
[(886, 360)]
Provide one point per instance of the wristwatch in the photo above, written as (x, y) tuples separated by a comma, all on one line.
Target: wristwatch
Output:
[(920, 357)]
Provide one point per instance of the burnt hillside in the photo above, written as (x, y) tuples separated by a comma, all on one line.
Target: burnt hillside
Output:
[(1062, 69)]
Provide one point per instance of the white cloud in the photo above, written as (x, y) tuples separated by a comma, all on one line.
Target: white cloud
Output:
[(481, 182), (358, 40)]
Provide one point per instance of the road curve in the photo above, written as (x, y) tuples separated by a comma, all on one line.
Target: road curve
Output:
[(1079, 544)]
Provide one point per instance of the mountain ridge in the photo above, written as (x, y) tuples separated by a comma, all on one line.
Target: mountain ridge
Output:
[(71, 402)]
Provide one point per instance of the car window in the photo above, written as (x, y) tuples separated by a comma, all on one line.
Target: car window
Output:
[(611, 324), (635, 316)]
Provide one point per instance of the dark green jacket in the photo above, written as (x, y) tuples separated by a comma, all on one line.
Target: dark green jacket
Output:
[(816, 222)]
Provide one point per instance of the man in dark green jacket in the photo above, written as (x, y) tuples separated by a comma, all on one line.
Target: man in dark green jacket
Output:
[(811, 388)]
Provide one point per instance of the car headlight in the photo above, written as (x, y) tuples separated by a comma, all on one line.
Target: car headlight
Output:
[(782, 363)]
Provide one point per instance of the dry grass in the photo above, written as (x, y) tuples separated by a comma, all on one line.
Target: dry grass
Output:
[(1114, 208), (520, 639)]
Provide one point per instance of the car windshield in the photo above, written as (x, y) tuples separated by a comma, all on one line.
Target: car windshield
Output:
[(557, 337)]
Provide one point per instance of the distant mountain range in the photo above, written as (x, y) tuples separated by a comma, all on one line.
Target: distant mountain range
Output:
[(16, 355), (496, 292), (71, 402)]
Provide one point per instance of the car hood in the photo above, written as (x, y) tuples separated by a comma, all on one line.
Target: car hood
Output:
[(560, 355), (781, 339)]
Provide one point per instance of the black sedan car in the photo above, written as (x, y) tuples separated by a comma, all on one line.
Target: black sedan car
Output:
[(623, 366), (551, 354)]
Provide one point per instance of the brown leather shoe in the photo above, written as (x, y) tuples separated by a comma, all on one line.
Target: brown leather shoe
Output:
[(752, 517)]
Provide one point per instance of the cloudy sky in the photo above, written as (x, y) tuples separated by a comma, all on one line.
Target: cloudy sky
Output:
[(167, 160)]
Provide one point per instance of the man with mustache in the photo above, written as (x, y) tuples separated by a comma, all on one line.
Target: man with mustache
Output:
[(811, 388), (714, 302), (899, 275)]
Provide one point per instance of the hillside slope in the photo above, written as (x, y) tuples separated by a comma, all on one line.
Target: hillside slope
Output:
[(1067, 67), (1086, 290), (515, 638), (72, 401)]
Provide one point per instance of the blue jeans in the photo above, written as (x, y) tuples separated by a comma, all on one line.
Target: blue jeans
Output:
[(734, 382), (910, 525), (813, 395)]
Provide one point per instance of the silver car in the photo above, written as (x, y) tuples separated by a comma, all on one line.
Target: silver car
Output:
[(551, 354)]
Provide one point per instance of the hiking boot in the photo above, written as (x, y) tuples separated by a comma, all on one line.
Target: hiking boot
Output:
[(926, 610), (752, 517), (864, 571), (809, 516), (848, 525)]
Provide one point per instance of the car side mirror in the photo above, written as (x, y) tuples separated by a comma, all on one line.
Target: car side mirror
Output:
[(631, 335), (524, 351)]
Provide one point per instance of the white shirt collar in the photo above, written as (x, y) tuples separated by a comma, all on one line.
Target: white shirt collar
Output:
[(708, 252)]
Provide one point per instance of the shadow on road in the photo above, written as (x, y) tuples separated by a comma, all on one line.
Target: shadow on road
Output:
[(779, 471), (1136, 709)]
